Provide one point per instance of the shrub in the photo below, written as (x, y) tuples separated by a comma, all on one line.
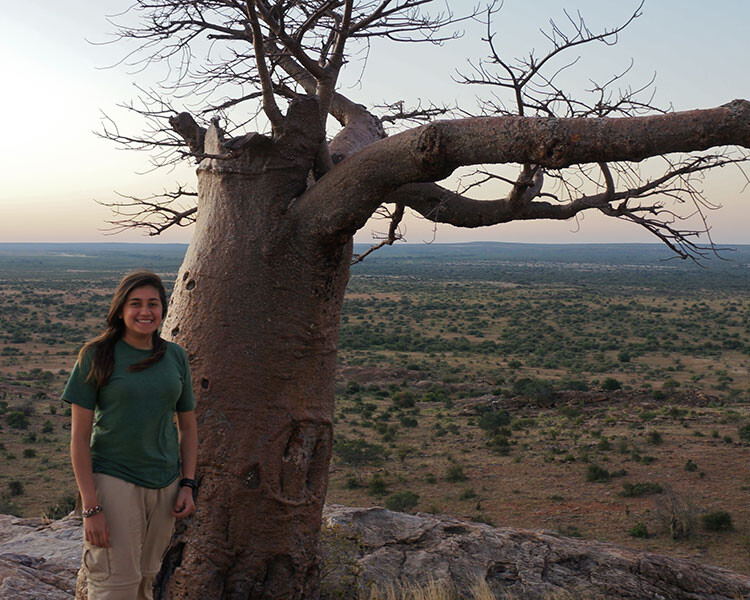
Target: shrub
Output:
[(492, 421), (408, 421), (480, 518), (377, 486), (500, 444), (17, 420), (655, 438), (597, 473), (690, 466), (15, 487), (352, 483), (536, 389), (571, 412), (611, 384), (63, 508), (455, 473), (638, 530), (575, 384), (29, 453), (402, 501), (744, 433), (47, 428), (467, 494), (359, 452), (403, 399), (676, 513), (9, 508), (717, 520), (638, 490)]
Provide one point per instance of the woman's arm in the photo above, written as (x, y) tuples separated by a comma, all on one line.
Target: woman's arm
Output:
[(188, 428), (96, 529)]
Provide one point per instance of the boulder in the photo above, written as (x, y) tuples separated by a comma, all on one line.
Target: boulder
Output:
[(532, 565), (39, 559)]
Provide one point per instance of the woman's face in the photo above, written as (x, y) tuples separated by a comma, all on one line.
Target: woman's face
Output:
[(142, 312)]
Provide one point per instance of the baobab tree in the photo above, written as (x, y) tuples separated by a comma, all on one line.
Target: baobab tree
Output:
[(257, 301)]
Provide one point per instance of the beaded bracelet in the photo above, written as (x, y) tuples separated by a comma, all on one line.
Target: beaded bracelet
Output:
[(90, 512)]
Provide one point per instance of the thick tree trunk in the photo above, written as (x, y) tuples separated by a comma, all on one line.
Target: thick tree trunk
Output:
[(256, 305)]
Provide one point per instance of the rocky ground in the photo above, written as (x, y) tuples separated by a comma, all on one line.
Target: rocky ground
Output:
[(365, 546)]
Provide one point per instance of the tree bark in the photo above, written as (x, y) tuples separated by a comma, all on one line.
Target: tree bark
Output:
[(432, 152), (257, 304)]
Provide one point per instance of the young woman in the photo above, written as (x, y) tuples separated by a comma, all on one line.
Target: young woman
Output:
[(134, 474)]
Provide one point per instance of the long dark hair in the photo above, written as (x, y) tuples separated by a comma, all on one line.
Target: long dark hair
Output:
[(103, 346)]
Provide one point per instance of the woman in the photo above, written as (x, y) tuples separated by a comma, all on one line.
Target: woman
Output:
[(133, 473)]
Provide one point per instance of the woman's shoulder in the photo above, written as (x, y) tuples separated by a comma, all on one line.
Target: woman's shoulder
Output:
[(176, 349)]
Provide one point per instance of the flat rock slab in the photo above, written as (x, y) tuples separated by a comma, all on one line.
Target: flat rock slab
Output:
[(532, 565), (39, 560)]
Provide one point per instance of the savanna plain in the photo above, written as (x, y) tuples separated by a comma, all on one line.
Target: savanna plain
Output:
[(600, 391)]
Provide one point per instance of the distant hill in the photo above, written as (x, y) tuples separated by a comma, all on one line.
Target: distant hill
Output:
[(627, 264)]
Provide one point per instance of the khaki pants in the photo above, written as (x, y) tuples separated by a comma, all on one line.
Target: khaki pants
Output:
[(140, 527)]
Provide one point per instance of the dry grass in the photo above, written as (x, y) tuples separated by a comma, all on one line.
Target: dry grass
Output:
[(441, 590)]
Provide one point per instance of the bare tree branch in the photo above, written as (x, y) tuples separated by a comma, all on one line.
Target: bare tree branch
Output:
[(392, 236), (155, 213), (432, 152)]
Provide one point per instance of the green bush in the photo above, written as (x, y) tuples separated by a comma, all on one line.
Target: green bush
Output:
[(409, 421), (690, 466), (492, 421), (638, 490), (468, 494), (377, 486), (744, 433), (717, 520), (17, 420), (403, 399), (654, 438), (63, 508), (638, 530), (455, 473), (535, 389), (611, 384), (9, 508), (402, 501), (357, 453), (29, 453), (500, 443), (597, 473), (15, 487)]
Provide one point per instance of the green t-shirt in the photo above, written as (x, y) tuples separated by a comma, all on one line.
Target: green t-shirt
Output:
[(134, 435)]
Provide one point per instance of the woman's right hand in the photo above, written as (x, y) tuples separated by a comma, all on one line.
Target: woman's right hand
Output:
[(96, 530)]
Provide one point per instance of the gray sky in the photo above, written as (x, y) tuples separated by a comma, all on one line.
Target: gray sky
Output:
[(53, 167)]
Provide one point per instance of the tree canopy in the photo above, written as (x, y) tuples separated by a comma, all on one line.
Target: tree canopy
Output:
[(240, 63)]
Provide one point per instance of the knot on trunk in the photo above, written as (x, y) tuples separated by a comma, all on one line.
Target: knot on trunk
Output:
[(431, 152)]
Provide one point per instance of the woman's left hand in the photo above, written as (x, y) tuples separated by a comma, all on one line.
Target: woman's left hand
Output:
[(184, 506)]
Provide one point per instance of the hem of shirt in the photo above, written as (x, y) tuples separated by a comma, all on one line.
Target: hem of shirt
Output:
[(138, 482)]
